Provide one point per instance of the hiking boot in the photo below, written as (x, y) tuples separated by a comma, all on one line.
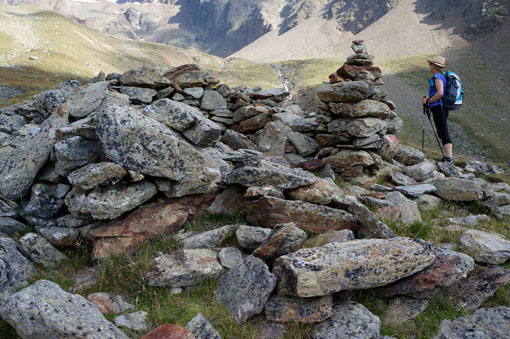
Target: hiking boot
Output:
[(448, 168)]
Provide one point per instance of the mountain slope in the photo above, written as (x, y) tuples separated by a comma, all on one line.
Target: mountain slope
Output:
[(40, 48), (399, 33)]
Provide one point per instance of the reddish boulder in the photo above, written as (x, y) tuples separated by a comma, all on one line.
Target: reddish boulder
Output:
[(271, 211), (161, 217), (169, 331)]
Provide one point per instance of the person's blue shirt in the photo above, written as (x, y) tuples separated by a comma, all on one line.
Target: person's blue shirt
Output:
[(432, 87)]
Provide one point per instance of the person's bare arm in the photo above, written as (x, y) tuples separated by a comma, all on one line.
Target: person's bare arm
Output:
[(439, 88)]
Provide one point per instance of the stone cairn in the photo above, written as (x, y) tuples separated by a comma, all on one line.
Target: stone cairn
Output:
[(360, 121), (129, 157)]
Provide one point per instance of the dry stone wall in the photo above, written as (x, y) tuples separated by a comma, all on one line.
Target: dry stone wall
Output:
[(128, 157)]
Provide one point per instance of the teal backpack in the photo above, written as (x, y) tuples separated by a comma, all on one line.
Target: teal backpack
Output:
[(453, 93)]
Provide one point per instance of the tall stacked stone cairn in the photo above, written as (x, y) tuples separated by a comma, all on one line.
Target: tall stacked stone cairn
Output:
[(361, 122), (129, 157)]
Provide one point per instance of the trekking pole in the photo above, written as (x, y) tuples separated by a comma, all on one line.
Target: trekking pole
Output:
[(426, 108), (423, 130)]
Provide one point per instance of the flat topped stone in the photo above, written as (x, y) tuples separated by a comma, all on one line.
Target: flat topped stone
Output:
[(351, 265), (489, 247), (184, 268), (352, 91), (416, 191)]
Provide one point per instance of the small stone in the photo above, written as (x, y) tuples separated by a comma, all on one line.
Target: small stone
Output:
[(284, 239), (202, 328), (184, 268), (39, 250), (10, 227), (299, 310), (209, 239), (402, 309), (250, 237), (333, 236), (230, 257), (135, 321), (15, 269), (409, 211), (401, 179), (349, 320), (59, 236), (415, 191), (421, 171)]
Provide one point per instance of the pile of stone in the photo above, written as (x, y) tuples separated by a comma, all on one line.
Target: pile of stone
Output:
[(129, 157), (359, 122)]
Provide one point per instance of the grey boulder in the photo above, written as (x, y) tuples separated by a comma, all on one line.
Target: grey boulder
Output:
[(349, 320), (110, 202), (143, 145), (488, 247), (44, 310), (39, 250), (202, 328), (421, 171), (184, 268), (246, 288), (485, 323), (22, 161), (15, 269)]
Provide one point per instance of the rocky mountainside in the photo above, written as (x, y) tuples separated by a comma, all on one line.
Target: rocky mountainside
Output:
[(227, 26), (126, 159)]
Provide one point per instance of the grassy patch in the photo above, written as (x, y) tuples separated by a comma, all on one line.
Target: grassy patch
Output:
[(31, 80), (427, 323), (243, 72)]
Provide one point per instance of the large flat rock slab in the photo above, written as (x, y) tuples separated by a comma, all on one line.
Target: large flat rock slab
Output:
[(458, 189), (352, 265), (158, 218), (271, 211)]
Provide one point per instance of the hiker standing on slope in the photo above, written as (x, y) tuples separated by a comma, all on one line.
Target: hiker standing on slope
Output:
[(437, 85)]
